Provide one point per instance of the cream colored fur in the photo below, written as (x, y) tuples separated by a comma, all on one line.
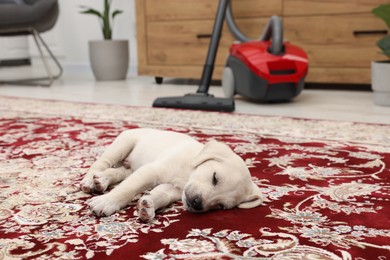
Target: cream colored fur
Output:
[(174, 166)]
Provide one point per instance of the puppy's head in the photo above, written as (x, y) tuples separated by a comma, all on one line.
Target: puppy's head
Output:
[(221, 180)]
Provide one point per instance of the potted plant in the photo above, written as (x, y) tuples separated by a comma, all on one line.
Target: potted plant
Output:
[(109, 58), (380, 70)]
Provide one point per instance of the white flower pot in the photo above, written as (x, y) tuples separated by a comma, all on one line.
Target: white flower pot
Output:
[(380, 82), (109, 59)]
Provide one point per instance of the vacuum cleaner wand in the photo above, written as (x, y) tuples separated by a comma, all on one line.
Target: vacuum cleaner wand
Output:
[(202, 100)]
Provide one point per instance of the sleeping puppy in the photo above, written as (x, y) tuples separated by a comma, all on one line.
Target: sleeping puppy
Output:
[(175, 166)]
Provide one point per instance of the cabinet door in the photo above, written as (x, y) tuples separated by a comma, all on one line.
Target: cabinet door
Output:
[(337, 40), (168, 10), (186, 42), (315, 7)]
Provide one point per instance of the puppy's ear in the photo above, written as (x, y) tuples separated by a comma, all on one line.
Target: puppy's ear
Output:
[(254, 198), (213, 150)]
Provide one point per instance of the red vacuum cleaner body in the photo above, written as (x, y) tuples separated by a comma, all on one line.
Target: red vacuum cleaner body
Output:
[(291, 66), (268, 69), (262, 76)]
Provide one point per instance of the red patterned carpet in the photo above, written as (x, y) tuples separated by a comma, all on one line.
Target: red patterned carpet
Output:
[(326, 186)]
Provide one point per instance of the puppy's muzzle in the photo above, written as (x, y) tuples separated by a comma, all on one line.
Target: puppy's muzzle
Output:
[(194, 203)]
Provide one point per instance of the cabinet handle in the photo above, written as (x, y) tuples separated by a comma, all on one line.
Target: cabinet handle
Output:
[(204, 35), (369, 32)]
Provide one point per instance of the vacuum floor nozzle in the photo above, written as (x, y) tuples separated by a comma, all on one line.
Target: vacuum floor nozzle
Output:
[(201, 100), (198, 101)]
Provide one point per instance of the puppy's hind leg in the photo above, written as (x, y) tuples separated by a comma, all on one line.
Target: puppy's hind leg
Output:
[(160, 197), (115, 153)]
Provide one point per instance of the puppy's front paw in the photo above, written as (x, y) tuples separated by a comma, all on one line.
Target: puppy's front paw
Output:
[(86, 184), (146, 211), (104, 205), (100, 182)]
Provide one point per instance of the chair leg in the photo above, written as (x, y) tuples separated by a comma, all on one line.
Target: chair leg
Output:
[(60, 70), (37, 81), (46, 65)]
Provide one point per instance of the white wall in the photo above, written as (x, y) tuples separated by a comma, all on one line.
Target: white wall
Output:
[(69, 38), (14, 48)]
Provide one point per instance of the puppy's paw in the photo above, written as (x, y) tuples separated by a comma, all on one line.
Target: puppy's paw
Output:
[(146, 211), (86, 184), (104, 205), (100, 182)]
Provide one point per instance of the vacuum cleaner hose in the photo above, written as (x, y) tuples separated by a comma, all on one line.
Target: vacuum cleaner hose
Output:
[(233, 26), (273, 31)]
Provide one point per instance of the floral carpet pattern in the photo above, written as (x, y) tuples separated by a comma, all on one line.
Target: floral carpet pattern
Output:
[(326, 187)]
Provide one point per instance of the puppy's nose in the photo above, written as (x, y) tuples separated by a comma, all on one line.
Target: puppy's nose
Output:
[(196, 203)]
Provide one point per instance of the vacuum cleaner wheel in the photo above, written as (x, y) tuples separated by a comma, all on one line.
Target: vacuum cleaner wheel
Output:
[(228, 82)]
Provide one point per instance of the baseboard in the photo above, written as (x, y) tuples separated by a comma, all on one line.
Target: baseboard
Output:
[(79, 68), (335, 86), (15, 62), (85, 68)]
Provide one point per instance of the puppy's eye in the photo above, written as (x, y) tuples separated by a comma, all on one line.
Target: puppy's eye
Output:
[(215, 179)]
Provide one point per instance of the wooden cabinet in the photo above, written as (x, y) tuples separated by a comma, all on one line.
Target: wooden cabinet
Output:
[(337, 35), (173, 35)]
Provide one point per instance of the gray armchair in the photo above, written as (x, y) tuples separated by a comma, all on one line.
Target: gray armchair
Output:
[(31, 17)]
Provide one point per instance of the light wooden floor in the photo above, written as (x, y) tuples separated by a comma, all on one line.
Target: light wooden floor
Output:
[(141, 91)]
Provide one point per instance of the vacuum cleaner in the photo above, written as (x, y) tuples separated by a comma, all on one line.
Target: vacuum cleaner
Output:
[(202, 100), (266, 70)]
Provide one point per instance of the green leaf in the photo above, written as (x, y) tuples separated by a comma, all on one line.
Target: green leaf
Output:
[(105, 16), (92, 11), (384, 43), (387, 53), (115, 13), (383, 12)]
